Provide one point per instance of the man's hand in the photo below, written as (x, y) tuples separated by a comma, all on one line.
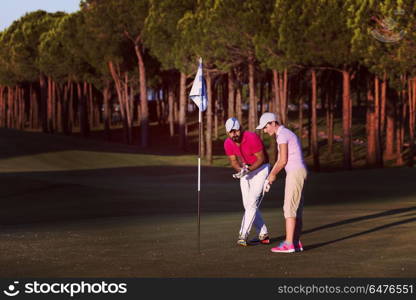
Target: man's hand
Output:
[(244, 171)]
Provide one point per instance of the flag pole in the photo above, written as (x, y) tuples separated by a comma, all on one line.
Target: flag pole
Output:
[(198, 95), (199, 160), (199, 179)]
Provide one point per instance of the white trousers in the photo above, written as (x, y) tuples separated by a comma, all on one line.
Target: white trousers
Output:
[(251, 189)]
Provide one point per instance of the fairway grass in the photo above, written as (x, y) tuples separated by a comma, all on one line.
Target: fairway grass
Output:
[(365, 242), (78, 208)]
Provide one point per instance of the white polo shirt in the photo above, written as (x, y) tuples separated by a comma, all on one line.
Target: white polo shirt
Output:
[(295, 157)]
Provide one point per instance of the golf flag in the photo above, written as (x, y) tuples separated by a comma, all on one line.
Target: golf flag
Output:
[(198, 94), (199, 89)]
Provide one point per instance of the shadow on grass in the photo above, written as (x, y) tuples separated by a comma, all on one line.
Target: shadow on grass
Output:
[(318, 245), (362, 218), (353, 220)]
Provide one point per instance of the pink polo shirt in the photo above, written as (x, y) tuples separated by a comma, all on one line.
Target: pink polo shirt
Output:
[(250, 144), (295, 157)]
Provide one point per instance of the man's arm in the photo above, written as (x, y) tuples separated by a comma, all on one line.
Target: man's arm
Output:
[(259, 161), (280, 164), (234, 162)]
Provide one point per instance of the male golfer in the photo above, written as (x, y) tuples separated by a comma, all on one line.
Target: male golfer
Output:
[(291, 159), (247, 156)]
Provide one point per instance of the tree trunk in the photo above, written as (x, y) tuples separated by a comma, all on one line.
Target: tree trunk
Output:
[(331, 101), (328, 95), (139, 114), (216, 112), (283, 102), (231, 94), (325, 99), (252, 97), (20, 110), (106, 112), (6, 106), (238, 105), (70, 107), (15, 107), (97, 109), (402, 123), (412, 104), (376, 120), (346, 119), (9, 107), (86, 119), (2, 107), (383, 104), (115, 74), (315, 146), (79, 106), (176, 110), (35, 108), (128, 109), (16, 104), (82, 112), (54, 105), (182, 112), (163, 101), (91, 108), (219, 103), (43, 103), (390, 126), (390, 130), (309, 130), (160, 117), (300, 118), (203, 140), (144, 123), (399, 125), (171, 95), (370, 128), (280, 82), (49, 106), (277, 104), (65, 110), (209, 119), (59, 109)]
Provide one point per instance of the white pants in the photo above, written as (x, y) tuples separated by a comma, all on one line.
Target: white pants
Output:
[(251, 190)]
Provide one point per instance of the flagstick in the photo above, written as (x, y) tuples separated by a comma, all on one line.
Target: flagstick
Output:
[(199, 180)]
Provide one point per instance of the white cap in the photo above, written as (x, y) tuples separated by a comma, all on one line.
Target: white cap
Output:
[(232, 124), (266, 118)]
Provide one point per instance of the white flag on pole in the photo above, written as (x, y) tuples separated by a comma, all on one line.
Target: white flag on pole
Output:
[(198, 92)]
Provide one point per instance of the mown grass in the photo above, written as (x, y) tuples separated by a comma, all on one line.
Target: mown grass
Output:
[(84, 207)]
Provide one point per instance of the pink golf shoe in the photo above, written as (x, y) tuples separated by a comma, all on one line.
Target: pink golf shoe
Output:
[(284, 248)]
